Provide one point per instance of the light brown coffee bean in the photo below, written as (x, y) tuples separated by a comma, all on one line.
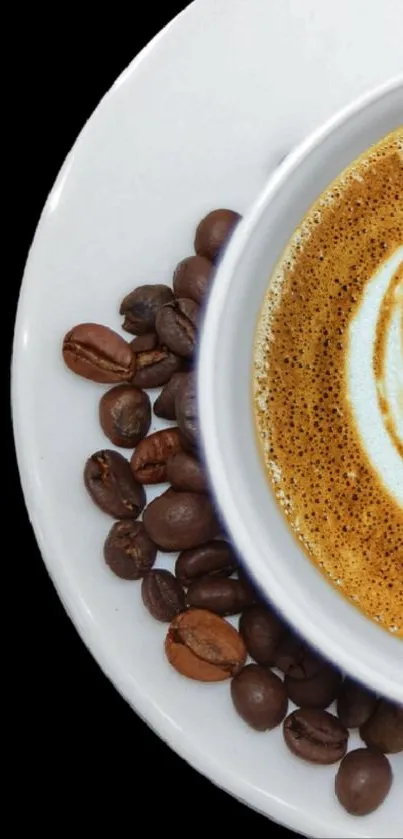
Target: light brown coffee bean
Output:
[(177, 521), (215, 559), (125, 415), (220, 595), (186, 474), (140, 307), (204, 647), (315, 736), (193, 277), (177, 326), (149, 460), (214, 232), (162, 595), (98, 353)]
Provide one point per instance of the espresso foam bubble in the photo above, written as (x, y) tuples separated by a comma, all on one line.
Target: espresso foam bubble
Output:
[(328, 377)]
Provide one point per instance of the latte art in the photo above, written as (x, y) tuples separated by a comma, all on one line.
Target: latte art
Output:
[(328, 378)]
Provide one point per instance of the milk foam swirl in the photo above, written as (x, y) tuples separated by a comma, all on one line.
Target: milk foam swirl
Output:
[(375, 372)]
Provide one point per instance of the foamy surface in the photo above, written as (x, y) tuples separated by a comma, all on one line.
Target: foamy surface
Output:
[(329, 382)]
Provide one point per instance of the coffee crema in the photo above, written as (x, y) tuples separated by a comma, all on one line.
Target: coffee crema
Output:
[(328, 382)]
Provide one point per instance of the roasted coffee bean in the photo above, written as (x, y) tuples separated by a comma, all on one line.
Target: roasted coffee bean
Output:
[(289, 651), (214, 232), (363, 781), (384, 729), (186, 474), (140, 307), (162, 595), (128, 550), (98, 353), (193, 277), (186, 410), (220, 595), (317, 690), (111, 485), (204, 647), (260, 697), (176, 325), (155, 367), (164, 405), (177, 521), (144, 343), (125, 415), (215, 559), (355, 704), (316, 736), (262, 630), (149, 460)]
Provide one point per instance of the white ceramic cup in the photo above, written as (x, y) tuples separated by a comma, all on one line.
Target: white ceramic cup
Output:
[(268, 548)]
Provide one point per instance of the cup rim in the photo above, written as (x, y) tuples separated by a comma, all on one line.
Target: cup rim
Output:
[(343, 655)]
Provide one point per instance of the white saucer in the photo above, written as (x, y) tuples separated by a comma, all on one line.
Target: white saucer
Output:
[(198, 120)]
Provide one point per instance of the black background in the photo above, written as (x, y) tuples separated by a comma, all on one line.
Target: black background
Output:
[(81, 749)]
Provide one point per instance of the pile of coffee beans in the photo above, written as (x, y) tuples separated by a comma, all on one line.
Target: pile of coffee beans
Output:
[(267, 663)]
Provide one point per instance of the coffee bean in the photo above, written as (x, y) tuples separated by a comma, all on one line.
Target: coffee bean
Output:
[(186, 410), (177, 521), (289, 651), (155, 367), (203, 646), (193, 277), (98, 353), (220, 595), (164, 405), (144, 343), (363, 781), (111, 485), (215, 559), (125, 415), (214, 232), (261, 629), (384, 729), (149, 460), (140, 307), (162, 595), (355, 704), (186, 474), (316, 736), (315, 691), (128, 550), (259, 696), (176, 325)]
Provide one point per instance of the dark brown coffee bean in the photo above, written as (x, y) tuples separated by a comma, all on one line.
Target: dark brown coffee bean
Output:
[(111, 485), (355, 704), (193, 277), (288, 652), (315, 691), (214, 232), (215, 559), (164, 405), (98, 353), (262, 630), (128, 550), (155, 367), (162, 595), (204, 647), (140, 307), (176, 325), (177, 521), (363, 781), (220, 595), (149, 460), (186, 474), (144, 343), (260, 697), (316, 736), (186, 410), (384, 729), (125, 415)]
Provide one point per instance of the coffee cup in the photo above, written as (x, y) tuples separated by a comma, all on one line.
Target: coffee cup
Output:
[(268, 548)]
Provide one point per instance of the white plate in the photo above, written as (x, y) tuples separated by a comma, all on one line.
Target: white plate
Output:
[(198, 120)]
